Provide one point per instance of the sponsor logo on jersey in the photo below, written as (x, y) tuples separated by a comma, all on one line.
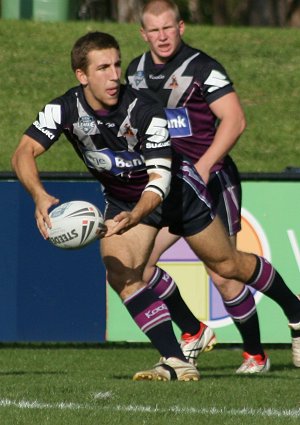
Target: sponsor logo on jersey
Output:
[(173, 83), (86, 123), (156, 77), (157, 145), (50, 116), (127, 130), (157, 131), (115, 162), (138, 77), (44, 130), (216, 80), (178, 122)]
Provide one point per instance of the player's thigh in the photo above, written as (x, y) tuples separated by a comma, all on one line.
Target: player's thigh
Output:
[(125, 256), (212, 245), (214, 248), (163, 241)]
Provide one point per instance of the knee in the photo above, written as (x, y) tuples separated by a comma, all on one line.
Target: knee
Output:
[(219, 281), (124, 280), (148, 272), (224, 270), (228, 288), (238, 266)]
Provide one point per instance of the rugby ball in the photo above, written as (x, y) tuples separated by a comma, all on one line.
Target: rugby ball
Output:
[(75, 224)]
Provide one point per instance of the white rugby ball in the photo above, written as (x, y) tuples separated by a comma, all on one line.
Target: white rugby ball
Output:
[(74, 224)]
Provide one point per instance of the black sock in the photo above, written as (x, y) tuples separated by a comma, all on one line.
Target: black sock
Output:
[(268, 281), (153, 318), (166, 289), (243, 312)]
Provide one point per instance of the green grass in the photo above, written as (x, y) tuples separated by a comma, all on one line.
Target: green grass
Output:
[(263, 62), (89, 385)]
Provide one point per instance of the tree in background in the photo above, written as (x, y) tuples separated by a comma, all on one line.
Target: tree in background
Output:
[(277, 13), (126, 11)]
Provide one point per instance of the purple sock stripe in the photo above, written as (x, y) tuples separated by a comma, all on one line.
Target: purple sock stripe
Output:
[(165, 287), (152, 316), (265, 276), (155, 277), (241, 316), (169, 291), (242, 307), (162, 284), (158, 321), (238, 299)]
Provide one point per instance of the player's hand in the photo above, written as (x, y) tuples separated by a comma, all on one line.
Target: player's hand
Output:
[(42, 204), (203, 172), (121, 223)]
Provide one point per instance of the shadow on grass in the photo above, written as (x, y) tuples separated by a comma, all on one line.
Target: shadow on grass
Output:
[(23, 372)]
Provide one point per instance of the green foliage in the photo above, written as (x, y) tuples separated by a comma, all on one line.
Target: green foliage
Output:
[(263, 64), (92, 385)]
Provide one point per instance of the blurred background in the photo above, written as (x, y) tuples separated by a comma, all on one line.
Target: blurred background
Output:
[(276, 13)]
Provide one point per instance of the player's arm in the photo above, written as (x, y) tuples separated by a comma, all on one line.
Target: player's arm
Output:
[(159, 171), (232, 124), (25, 167)]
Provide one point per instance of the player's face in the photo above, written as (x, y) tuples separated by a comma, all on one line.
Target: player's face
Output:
[(101, 81), (163, 34)]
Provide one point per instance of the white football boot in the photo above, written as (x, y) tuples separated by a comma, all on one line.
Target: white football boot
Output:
[(295, 344), (193, 345), (168, 370), (254, 364)]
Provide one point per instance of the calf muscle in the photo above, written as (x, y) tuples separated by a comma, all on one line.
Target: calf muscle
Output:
[(125, 257)]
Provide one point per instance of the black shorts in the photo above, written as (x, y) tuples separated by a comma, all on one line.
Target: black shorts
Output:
[(186, 210), (226, 193)]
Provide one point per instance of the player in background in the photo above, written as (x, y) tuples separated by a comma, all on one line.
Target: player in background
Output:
[(122, 136), (205, 122)]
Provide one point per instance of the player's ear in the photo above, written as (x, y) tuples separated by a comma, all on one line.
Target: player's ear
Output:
[(181, 27), (81, 76), (143, 34)]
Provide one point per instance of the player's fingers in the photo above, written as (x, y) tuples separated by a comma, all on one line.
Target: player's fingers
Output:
[(42, 228)]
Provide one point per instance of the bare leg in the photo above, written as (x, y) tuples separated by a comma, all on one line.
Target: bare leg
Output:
[(125, 257)]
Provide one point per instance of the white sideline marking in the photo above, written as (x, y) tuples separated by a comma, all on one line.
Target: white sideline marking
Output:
[(268, 412)]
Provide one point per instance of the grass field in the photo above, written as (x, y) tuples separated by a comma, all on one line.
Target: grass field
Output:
[(263, 63), (91, 385)]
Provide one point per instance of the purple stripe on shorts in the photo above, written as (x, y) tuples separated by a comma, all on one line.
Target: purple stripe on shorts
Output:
[(231, 203), (191, 177)]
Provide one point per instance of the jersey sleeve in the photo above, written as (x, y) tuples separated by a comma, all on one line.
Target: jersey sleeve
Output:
[(153, 130), (131, 68), (216, 83), (49, 123)]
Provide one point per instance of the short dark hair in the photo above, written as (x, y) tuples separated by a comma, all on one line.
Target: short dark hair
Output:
[(91, 41)]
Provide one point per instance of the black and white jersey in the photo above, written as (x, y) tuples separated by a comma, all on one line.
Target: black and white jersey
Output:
[(185, 85), (114, 145)]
